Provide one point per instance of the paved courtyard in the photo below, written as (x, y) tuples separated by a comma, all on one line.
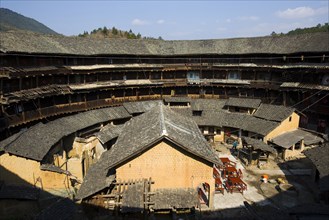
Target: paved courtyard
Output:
[(297, 181)]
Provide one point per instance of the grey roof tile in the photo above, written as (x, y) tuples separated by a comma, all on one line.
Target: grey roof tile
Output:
[(258, 145), (290, 138), (35, 142), (142, 132), (10, 139), (109, 132), (320, 158), (310, 210), (63, 208), (19, 192), (175, 198), (53, 168), (243, 102), (140, 107), (27, 42), (161, 122), (207, 104), (235, 120), (273, 112), (179, 99), (96, 179), (183, 111), (133, 198)]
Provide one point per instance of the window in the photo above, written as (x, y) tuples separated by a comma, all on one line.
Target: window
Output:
[(290, 119), (298, 146), (197, 113), (234, 75)]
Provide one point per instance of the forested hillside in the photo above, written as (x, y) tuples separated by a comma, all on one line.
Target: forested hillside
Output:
[(318, 28), (114, 33), (10, 20)]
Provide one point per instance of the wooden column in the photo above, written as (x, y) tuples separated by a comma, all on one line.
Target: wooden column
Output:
[(250, 156), (285, 98), (20, 83)]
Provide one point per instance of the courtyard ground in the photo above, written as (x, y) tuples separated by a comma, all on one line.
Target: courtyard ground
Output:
[(271, 198)]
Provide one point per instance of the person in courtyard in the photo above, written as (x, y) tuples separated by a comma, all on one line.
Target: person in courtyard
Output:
[(235, 145)]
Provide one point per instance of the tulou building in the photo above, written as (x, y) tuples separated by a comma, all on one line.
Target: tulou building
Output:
[(44, 76), (129, 125)]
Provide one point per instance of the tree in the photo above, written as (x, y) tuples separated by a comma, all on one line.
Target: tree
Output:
[(85, 34), (115, 31), (105, 31)]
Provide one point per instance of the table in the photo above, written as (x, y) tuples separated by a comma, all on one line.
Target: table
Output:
[(233, 183), (227, 162), (219, 186), (230, 172)]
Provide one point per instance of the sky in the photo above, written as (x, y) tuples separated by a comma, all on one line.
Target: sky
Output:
[(175, 20)]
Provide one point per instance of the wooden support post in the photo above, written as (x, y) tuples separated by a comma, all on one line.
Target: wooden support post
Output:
[(20, 83), (39, 107), (285, 98)]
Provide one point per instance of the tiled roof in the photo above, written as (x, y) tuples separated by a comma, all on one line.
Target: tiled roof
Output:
[(174, 198), (35, 142), (243, 102), (142, 132), (310, 210), (187, 112), (19, 192), (210, 118), (133, 198), (178, 99), (28, 42), (63, 208), (235, 120), (53, 168), (258, 145), (160, 122), (320, 158), (273, 112), (109, 132), (290, 138), (96, 179), (140, 107), (207, 104), (9, 140)]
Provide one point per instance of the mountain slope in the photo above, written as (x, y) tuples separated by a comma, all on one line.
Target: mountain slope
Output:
[(10, 20)]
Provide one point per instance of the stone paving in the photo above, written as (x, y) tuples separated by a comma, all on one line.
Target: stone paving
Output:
[(262, 194)]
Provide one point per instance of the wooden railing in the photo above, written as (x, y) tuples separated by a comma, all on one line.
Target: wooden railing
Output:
[(28, 116), (41, 113)]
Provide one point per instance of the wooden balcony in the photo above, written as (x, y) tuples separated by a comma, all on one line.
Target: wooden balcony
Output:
[(28, 116)]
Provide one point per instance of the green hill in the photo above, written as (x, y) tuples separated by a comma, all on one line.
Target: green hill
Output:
[(10, 20)]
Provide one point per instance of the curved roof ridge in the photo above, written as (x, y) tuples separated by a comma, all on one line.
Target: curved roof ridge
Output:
[(51, 44)]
